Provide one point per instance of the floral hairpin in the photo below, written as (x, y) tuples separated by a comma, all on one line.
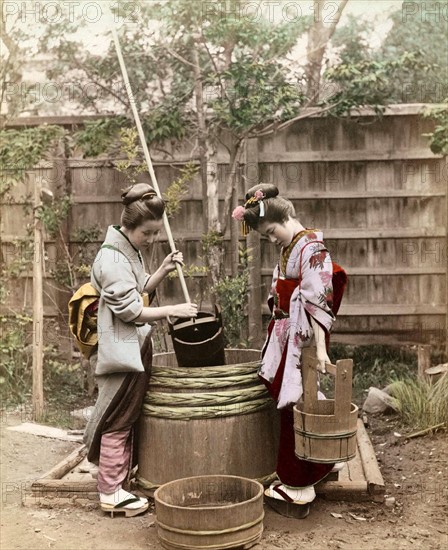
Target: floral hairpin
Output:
[(239, 211)]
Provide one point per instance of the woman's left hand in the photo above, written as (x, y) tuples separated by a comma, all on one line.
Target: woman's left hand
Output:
[(322, 358), (170, 262)]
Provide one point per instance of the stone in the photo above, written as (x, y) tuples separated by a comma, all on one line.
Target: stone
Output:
[(80, 417), (378, 401), (390, 502)]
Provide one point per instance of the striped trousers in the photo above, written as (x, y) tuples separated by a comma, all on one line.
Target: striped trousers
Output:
[(115, 460)]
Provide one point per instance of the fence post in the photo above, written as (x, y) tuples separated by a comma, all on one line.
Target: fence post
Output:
[(423, 360), (254, 246), (38, 308)]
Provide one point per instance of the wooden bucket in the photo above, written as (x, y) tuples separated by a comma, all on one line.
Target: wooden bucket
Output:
[(325, 430), (209, 512), (199, 342), (207, 420)]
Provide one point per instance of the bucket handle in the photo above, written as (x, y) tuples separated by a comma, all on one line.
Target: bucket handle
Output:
[(196, 321), (343, 373)]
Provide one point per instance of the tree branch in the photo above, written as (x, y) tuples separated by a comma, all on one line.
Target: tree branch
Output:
[(223, 90), (95, 81), (180, 58), (318, 111), (335, 22), (230, 185)]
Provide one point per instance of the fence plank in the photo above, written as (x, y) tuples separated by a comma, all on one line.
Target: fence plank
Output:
[(376, 190)]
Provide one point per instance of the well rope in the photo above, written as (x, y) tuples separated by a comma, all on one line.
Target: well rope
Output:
[(211, 392)]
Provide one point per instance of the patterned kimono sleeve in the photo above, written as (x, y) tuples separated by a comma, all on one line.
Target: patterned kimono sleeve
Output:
[(317, 287)]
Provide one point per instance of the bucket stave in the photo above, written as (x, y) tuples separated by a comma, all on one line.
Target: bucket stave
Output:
[(207, 420), (213, 512)]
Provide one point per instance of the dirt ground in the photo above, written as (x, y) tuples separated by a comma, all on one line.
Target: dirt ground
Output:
[(415, 473)]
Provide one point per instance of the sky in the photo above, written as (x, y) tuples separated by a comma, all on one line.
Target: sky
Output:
[(98, 18), (93, 19), (275, 11)]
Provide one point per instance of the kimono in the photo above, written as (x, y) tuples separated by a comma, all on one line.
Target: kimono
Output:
[(123, 361), (301, 289)]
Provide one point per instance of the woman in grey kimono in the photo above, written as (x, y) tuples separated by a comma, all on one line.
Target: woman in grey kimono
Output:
[(124, 356)]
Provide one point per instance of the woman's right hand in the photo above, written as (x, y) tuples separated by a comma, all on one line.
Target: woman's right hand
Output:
[(184, 310)]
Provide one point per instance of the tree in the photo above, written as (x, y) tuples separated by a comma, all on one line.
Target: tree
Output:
[(319, 36), (418, 32), (419, 27), (210, 73), (12, 57)]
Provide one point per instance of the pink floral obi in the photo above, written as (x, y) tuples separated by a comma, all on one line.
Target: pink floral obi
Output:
[(284, 289)]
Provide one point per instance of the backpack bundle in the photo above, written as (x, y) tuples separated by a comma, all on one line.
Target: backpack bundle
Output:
[(83, 313), (83, 316)]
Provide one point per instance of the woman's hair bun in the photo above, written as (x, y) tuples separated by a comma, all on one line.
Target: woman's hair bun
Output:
[(268, 189), (136, 192)]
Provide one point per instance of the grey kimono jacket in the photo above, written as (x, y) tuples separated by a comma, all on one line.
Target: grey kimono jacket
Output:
[(121, 277)]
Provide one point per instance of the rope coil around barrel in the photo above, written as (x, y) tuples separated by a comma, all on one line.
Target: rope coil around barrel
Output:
[(205, 399), (170, 392), (211, 372), (192, 383), (206, 411)]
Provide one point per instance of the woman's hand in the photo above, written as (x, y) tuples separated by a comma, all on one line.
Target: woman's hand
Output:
[(170, 262), (322, 358), (321, 348), (184, 310)]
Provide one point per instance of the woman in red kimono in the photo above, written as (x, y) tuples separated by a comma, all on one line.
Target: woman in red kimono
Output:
[(302, 306)]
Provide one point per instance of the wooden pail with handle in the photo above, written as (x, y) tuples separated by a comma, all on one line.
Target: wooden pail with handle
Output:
[(325, 430), (199, 342)]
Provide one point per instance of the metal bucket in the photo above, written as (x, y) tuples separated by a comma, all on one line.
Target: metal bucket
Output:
[(199, 342)]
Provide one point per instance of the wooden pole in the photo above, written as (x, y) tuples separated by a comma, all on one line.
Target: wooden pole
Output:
[(234, 234), (38, 310), (254, 246), (147, 156)]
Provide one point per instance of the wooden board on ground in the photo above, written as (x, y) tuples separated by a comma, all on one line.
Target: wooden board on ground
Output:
[(360, 479), (71, 481)]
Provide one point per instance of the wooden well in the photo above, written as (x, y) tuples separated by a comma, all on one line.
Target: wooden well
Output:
[(208, 512), (207, 420), (325, 430)]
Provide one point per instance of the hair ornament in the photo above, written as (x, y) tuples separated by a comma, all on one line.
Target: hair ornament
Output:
[(238, 212)]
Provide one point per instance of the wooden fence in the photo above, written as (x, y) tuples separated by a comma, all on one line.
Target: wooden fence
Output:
[(373, 186)]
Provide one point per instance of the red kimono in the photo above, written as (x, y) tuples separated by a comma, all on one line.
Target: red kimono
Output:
[(302, 287)]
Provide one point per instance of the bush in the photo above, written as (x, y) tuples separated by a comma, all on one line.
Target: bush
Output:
[(420, 403)]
